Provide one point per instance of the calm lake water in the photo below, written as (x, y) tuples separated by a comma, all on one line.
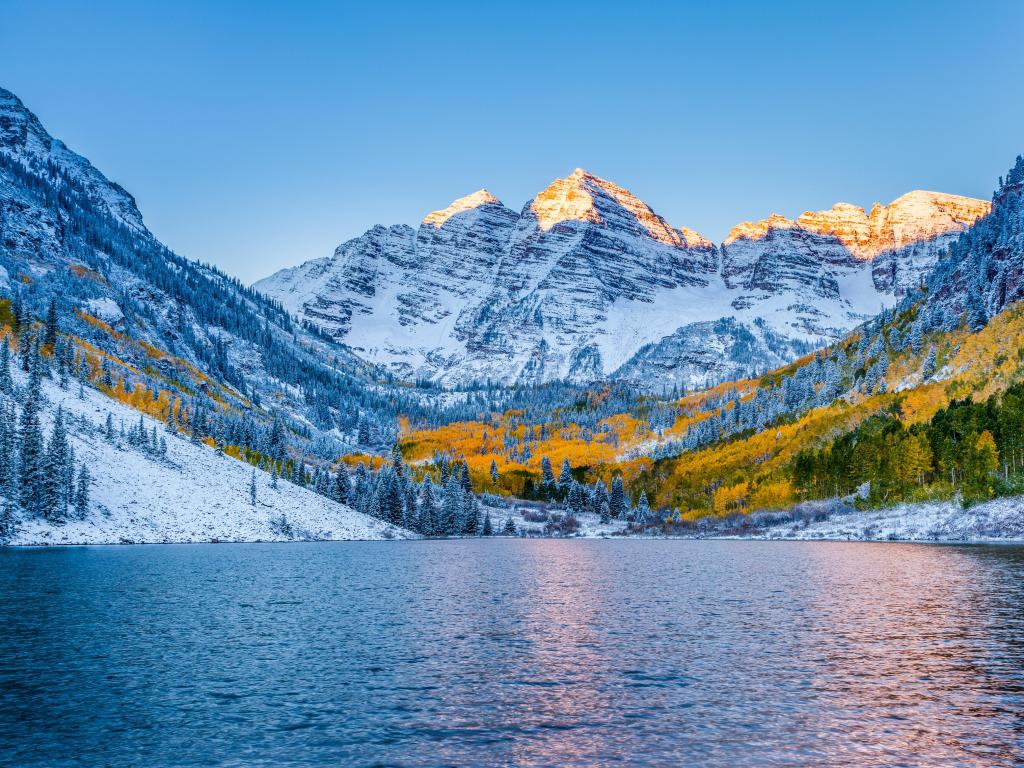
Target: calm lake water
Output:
[(546, 653)]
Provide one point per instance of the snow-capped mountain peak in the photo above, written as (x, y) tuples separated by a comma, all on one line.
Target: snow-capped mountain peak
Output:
[(588, 282), (481, 197), (582, 196)]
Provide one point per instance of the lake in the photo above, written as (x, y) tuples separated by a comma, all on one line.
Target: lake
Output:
[(513, 652)]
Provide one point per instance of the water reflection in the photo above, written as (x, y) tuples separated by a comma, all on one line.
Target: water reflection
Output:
[(535, 653)]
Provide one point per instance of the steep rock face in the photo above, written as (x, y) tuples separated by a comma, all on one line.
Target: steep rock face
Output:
[(23, 138), (588, 281), (394, 293), (580, 247)]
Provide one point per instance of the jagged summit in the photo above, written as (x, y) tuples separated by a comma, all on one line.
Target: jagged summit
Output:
[(475, 200), (587, 276), (912, 217), (582, 196)]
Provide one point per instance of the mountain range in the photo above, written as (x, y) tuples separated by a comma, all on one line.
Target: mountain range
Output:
[(588, 283)]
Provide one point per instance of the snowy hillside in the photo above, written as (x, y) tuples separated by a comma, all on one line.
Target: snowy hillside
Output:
[(999, 519), (587, 282), (190, 495)]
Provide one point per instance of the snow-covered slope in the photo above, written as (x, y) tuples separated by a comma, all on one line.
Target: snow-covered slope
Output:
[(999, 519), (589, 282), (192, 495)]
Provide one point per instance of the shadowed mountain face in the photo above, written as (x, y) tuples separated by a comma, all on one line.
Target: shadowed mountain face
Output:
[(587, 275)]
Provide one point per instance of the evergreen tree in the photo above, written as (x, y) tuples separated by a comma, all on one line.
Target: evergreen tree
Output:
[(6, 382), (471, 515), (574, 500), (565, 475), (928, 367), (494, 472), (451, 507), (273, 474), (32, 456), (510, 528), (643, 509), (548, 484), (342, 485), (617, 499), (252, 488), (428, 522), (604, 512), (50, 335), (8, 450), (82, 493), (25, 337), (488, 526), (55, 471)]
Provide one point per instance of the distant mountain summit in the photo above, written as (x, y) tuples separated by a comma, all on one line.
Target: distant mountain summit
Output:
[(587, 282)]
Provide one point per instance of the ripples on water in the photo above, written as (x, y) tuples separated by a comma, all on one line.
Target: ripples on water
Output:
[(553, 653)]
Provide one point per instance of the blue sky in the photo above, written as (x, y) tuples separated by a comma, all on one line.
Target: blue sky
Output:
[(258, 135)]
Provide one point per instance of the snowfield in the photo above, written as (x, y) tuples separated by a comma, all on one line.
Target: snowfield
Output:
[(996, 520), (192, 495)]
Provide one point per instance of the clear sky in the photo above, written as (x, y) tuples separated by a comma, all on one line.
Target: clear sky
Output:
[(258, 135)]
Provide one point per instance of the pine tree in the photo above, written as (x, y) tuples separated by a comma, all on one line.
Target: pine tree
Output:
[(55, 471), (81, 378), (565, 475), (617, 499), (61, 354), (494, 472), (50, 335), (273, 475), (82, 493), (643, 509), (252, 487), (428, 522), (32, 456), (6, 382), (510, 528), (928, 367), (471, 515), (6, 520), (8, 450), (488, 526), (547, 477), (574, 501), (342, 486), (604, 513), (451, 507), (25, 337)]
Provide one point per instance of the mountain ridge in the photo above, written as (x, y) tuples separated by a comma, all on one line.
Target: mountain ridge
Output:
[(587, 274)]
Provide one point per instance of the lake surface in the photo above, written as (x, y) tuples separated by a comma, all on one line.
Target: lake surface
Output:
[(533, 653)]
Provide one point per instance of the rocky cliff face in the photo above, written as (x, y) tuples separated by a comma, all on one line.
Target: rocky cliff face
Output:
[(23, 139), (587, 281)]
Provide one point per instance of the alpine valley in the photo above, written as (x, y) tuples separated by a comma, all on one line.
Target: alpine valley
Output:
[(581, 367)]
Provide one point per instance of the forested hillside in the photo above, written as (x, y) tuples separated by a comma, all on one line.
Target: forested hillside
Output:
[(920, 403)]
